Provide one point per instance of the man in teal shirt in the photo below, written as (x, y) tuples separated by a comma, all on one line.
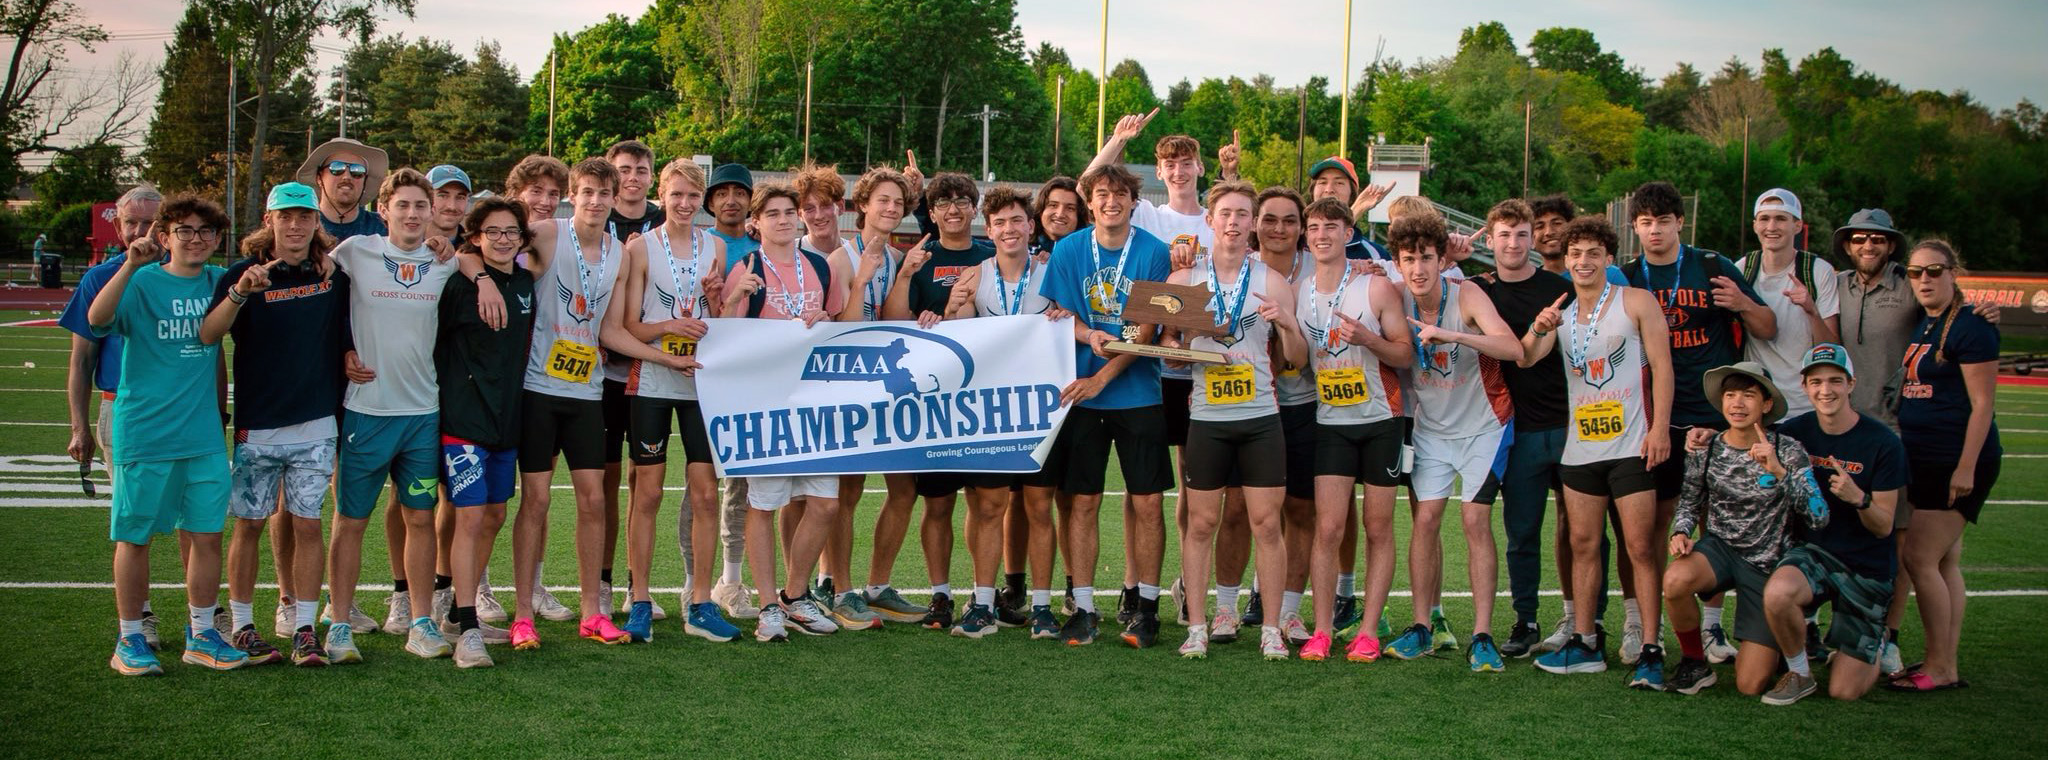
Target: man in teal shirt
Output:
[(170, 461)]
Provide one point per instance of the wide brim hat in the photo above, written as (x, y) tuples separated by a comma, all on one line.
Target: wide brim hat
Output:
[(374, 159), (1869, 220), (1710, 386)]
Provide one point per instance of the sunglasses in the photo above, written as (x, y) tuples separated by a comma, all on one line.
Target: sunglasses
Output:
[(338, 168), (1868, 238), (1931, 272)]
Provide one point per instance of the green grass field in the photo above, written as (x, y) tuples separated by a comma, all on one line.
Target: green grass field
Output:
[(902, 691)]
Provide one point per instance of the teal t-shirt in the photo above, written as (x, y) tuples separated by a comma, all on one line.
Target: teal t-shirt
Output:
[(168, 406)]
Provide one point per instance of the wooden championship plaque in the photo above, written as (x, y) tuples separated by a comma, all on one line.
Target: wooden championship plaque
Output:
[(1183, 307)]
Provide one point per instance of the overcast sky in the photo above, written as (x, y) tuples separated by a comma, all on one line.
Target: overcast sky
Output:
[(1989, 47)]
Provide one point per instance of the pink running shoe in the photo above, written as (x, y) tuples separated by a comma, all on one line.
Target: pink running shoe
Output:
[(599, 628), (1317, 649), (523, 636), (1365, 647)]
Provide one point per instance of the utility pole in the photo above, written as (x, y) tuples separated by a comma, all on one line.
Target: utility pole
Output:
[(986, 116), (1059, 98), (1344, 107), (231, 144), (551, 103), (1528, 112), (342, 128), (1300, 138), (1102, 81), (808, 65)]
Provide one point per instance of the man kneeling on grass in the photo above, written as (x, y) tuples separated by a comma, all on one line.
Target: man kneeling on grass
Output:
[(1744, 487)]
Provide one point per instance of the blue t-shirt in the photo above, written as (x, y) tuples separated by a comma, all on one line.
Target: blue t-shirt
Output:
[(289, 343), (1615, 276), (1080, 282), (107, 375), (1361, 248), (1703, 336), (365, 223), (1872, 456), (1934, 403), (173, 411), (737, 248)]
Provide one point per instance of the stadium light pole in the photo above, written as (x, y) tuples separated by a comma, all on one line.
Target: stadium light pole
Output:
[(1102, 80), (1344, 107)]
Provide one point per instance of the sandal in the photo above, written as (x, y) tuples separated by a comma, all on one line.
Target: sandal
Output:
[(1922, 683)]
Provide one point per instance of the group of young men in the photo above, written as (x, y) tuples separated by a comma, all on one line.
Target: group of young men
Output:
[(461, 347)]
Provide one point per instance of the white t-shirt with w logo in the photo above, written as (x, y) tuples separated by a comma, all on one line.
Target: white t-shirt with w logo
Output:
[(394, 313)]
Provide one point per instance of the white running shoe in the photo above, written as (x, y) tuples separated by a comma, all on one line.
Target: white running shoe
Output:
[(547, 606), (224, 622), (771, 624), (470, 651), (488, 609), (1557, 638), (734, 600), (1271, 644), (341, 644), (1223, 626), (1197, 645), (659, 613), (1296, 632), (810, 618), (605, 603), (1719, 651), (444, 600), (425, 640), (398, 613), (286, 619), (1180, 602), (1632, 644), (358, 621)]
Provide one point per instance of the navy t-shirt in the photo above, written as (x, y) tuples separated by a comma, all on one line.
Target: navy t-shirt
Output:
[(1089, 287), (1872, 456), (289, 343), (1703, 336), (365, 223), (1934, 403), (1361, 248), (932, 285)]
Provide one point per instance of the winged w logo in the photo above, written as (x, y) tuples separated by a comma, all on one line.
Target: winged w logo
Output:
[(1599, 371), (579, 308), (407, 274)]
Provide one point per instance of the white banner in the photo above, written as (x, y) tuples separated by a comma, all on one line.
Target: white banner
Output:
[(973, 395)]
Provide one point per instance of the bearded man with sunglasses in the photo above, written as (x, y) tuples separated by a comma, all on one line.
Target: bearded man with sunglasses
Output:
[(339, 170)]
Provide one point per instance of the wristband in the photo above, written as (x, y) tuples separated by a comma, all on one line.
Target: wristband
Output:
[(481, 276), (237, 297), (1542, 333), (1866, 502)]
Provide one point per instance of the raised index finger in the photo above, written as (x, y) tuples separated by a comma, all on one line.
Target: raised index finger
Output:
[(1559, 304), (910, 159)]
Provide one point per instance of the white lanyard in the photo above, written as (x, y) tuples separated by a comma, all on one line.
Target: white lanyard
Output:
[(878, 285), (604, 248), (792, 301), (1244, 289), (1003, 296), (1315, 307), (685, 279), (1582, 337), (1116, 282)]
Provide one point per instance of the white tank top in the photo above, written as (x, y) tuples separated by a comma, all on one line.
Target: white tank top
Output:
[(1299, 386), (1457, 391), (570, 300), (674, 288), (1243, 388), (1604, 382), (995, 297), (1349, 381), (877, 290)]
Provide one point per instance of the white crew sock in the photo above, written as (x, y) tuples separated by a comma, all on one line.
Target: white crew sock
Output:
[(242, 613), (1226, 597), (942, 588), (1347, 584), (1084, 598), (875, 591), (308, 612), (1797, 663), (131, 627), (1041, 597), (200, 618), (985, 596), (1710, 617), (1632, 613), (732, 572), (1290, 604), (1568, 612), (146, 611), (1436, 611), (1148, 591)]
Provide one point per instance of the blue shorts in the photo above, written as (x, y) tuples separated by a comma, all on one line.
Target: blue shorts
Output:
[(405, 449), (151, 498), (476, 475)]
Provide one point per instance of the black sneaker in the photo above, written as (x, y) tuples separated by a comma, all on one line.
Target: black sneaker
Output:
[(1127, 606), (941, 615), (1143, 630), (1079, 629), (1816, 651), (1010, 617), (1522, 640), (1068, 607), (1345, 614), (1254, 614), (1013, 599), (1599, 642), (823, 591), (1691, 676)]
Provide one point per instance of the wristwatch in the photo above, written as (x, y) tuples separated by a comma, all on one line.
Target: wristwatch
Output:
[(1866, 502), (481, 276)]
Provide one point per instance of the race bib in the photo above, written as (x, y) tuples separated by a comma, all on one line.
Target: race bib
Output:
[(1598, 422), (1343, 386), (678, 345), (1227, 383), (570, 361)]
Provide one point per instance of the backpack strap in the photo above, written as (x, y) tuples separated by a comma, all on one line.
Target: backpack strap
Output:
[(1752, 265), (1806, 266)]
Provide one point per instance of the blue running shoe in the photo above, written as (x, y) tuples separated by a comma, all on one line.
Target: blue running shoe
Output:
[(640, 622), (1484, 656), (209, 650), (706, 623), (1649, 674), (1574, 657), (132, 657), (1412, 643), (1043, 624)]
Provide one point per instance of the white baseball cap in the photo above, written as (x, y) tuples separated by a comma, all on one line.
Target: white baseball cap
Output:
[(1785, 201)]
